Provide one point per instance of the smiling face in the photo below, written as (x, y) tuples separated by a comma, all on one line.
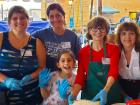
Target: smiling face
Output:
[(18, 19), (66, 63), (98, 33), (128, 38), (18, 22), (56, 18)]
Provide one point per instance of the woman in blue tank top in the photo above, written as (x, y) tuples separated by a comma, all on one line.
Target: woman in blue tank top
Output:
[(21, 59)]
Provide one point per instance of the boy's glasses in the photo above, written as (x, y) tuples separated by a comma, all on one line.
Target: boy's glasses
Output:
[(99, 28)]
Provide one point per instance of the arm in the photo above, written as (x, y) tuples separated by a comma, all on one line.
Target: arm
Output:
[(45, 93), (75, 89), (77, 46), (1, 39), (114, 54), (110, 82), (114, 62), (80, 77), (2, 76), (41, 56), (113, 72)]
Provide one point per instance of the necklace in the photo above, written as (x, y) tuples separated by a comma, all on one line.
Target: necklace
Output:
[(57, 36), (17, 42)]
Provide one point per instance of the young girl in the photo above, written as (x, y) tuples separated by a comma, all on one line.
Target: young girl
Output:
[(59, 86), (97, 67)]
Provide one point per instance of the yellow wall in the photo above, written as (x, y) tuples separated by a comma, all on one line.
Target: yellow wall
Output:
[(124, 6)]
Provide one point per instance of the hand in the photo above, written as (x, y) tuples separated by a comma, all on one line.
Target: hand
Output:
[(44, 78), (63, 88), (25, 80), (71, 99), (127, 98), (102, 95), (12, 84)]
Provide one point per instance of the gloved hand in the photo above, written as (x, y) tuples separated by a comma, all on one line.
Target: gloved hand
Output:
[(102, 95), (12, 84), (25, 79), (71, 99), (44, 78), (127, 98), (63, 88)]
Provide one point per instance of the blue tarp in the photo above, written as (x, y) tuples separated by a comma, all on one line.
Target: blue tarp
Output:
[(109, 10), (33, 26)]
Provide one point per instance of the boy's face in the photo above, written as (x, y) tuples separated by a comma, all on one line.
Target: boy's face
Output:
[(66, 63)]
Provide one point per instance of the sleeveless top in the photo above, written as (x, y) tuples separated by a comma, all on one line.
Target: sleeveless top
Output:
[(10, 58)]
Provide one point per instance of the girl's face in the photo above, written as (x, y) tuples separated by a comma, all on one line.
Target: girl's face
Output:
[(56, 18), (128, 39), (98, 33), (18, 22), (66, 63)]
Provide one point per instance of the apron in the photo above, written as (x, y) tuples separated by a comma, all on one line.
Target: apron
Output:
[(96, 80)]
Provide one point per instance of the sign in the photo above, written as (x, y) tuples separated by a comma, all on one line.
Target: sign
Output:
[(71, 22)]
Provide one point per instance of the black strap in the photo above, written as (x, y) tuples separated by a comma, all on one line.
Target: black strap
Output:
[(23, 57)]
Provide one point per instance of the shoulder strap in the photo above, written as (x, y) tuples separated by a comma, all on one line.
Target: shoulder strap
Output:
[(139, 58), (4, 40), (23, 57)]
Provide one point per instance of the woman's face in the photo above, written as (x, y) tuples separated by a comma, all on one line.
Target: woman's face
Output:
[(56, 18), (18, 22), (98, 33), (128, 38)]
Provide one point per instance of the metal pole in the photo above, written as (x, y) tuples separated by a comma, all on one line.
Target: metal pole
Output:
[(81, 11), (97, 10), (91, 8), (2, 11), (99, 7)]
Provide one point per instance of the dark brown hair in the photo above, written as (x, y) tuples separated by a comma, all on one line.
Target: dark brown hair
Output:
[(64, 52), (97, 22), (55, 6), (129, 26), (17, 9)]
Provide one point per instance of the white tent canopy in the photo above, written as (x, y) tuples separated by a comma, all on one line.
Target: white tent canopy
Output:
[(27, 5)]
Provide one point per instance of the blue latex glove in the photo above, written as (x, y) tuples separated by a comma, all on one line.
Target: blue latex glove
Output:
[(71, 99), (44, 78), (12, 84), (127, 98), (63, 88), (25, 80), (102, 95)]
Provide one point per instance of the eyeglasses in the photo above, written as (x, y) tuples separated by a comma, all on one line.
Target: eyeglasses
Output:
[(99, 28)]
